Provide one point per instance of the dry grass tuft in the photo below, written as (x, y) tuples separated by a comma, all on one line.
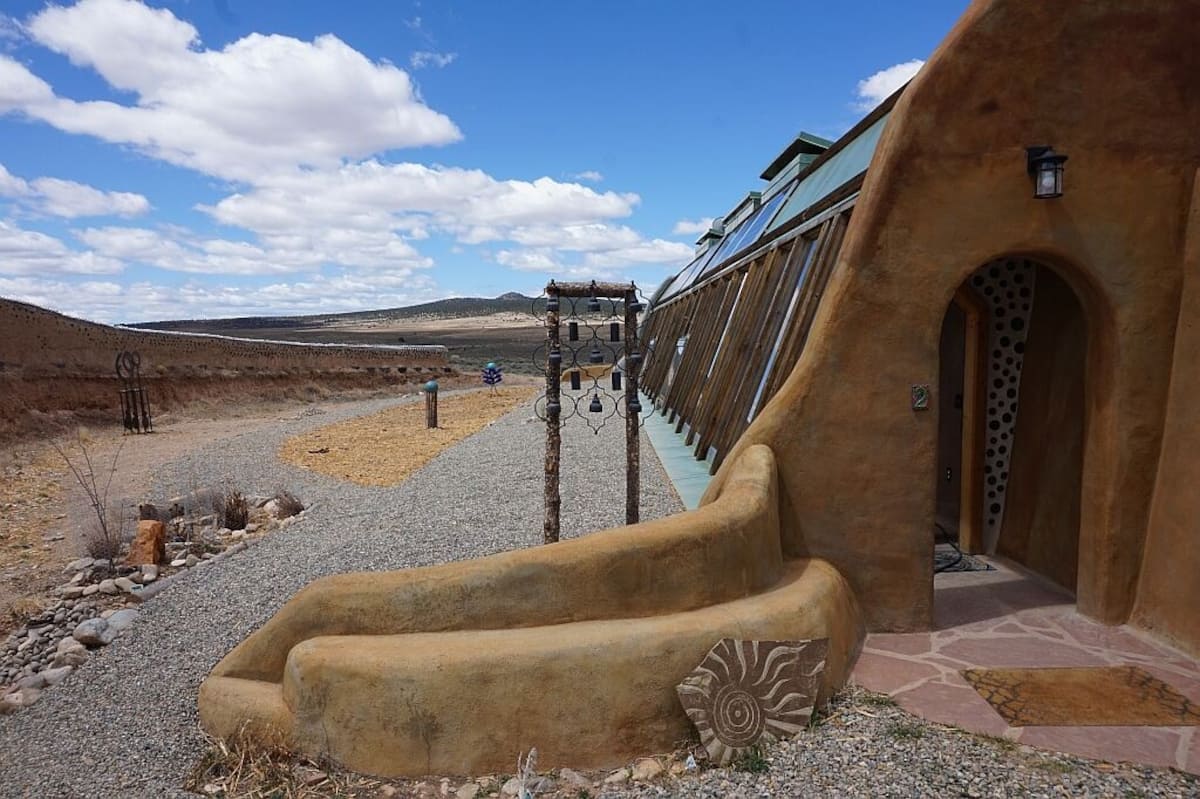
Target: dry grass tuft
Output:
[(232, 509), (243, 768), (22, 609), (385, 448)]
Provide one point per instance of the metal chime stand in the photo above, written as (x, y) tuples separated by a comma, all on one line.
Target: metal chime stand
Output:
[(554, 370), (135, 407)]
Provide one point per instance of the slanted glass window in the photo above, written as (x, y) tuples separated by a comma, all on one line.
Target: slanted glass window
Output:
[(748, 232), (689, 274)]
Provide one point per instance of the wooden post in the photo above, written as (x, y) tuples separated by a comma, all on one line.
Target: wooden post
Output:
[(633, 459), (553, 502), (431, 394)]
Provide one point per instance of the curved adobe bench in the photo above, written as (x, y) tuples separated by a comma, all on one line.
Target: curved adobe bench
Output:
[(574, 647)]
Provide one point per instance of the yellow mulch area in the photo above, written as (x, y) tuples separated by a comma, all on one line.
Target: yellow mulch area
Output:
[(385, 448)]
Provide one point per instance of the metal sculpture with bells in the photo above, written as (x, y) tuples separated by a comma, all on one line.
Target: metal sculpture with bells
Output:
[(600, 360), (135, 406), (748, 693)]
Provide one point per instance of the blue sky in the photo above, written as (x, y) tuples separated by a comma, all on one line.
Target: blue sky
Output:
[(187, 159)]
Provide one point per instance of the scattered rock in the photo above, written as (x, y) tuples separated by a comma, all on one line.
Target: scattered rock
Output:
[(120, 621), (70, 653), (126, 585), (72, 591), (89, 590), (56, 675), (647, 770), (468, 791), (510, 788), (109, 587), (149, 545), (573, 779), (93, 632), (11, 703), (191, 561), (178, 562), (618, 777), (78, 565), (149, 572), (35, 681), (538, 785)]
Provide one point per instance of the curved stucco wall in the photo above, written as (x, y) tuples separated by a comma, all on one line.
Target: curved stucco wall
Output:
[(1112, 84), (573, 647)]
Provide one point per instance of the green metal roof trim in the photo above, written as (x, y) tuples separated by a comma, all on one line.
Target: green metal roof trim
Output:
[(804, 142), (841, 167)]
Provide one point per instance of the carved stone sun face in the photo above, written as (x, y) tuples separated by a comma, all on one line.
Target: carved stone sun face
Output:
[(748, 693)]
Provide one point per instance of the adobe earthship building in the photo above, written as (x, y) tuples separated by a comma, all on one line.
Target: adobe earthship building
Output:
[(894, 340)]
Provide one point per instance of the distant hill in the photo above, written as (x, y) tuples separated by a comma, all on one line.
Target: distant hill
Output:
[(455, 307)]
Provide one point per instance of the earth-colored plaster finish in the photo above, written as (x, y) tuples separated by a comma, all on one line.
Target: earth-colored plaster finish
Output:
[(683, 562), (589, 635), (586, 694), (1112, 84), (1169, 593)]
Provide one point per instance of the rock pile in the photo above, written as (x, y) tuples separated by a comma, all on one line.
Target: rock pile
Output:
[(56, 641), (90, 610)]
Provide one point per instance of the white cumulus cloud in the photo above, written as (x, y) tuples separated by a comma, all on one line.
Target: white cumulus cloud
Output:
[(31, 252), (262, 103), (875, 89), (67, 198), (688, 227)]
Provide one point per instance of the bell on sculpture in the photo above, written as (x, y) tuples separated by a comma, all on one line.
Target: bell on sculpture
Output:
[(552, 408), (594, 406), (596, 356), (555, 358), (635, 406), (552, 305)]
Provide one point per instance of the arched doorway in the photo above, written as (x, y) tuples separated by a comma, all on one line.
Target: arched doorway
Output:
[(1013, 355)]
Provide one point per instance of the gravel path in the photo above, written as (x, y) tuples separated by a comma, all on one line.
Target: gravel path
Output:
[(125, 723)]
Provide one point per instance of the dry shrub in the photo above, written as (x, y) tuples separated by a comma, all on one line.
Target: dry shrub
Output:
[(232, 509), (287, 503), (107, 532)]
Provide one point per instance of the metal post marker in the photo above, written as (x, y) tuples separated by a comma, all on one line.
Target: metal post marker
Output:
[(431, 394)]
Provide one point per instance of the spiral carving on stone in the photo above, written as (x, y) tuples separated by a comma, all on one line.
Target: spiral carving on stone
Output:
[(747, 693)]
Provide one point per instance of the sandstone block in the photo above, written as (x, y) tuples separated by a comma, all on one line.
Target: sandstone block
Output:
[(150, 544)]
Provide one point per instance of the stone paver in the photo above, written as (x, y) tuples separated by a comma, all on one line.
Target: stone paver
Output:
[(1007, 619)]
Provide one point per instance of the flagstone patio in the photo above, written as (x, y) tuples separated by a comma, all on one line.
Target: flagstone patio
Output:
[(1011, 619)]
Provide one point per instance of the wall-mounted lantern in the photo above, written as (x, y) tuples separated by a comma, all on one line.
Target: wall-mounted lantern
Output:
[(1046, 168)]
